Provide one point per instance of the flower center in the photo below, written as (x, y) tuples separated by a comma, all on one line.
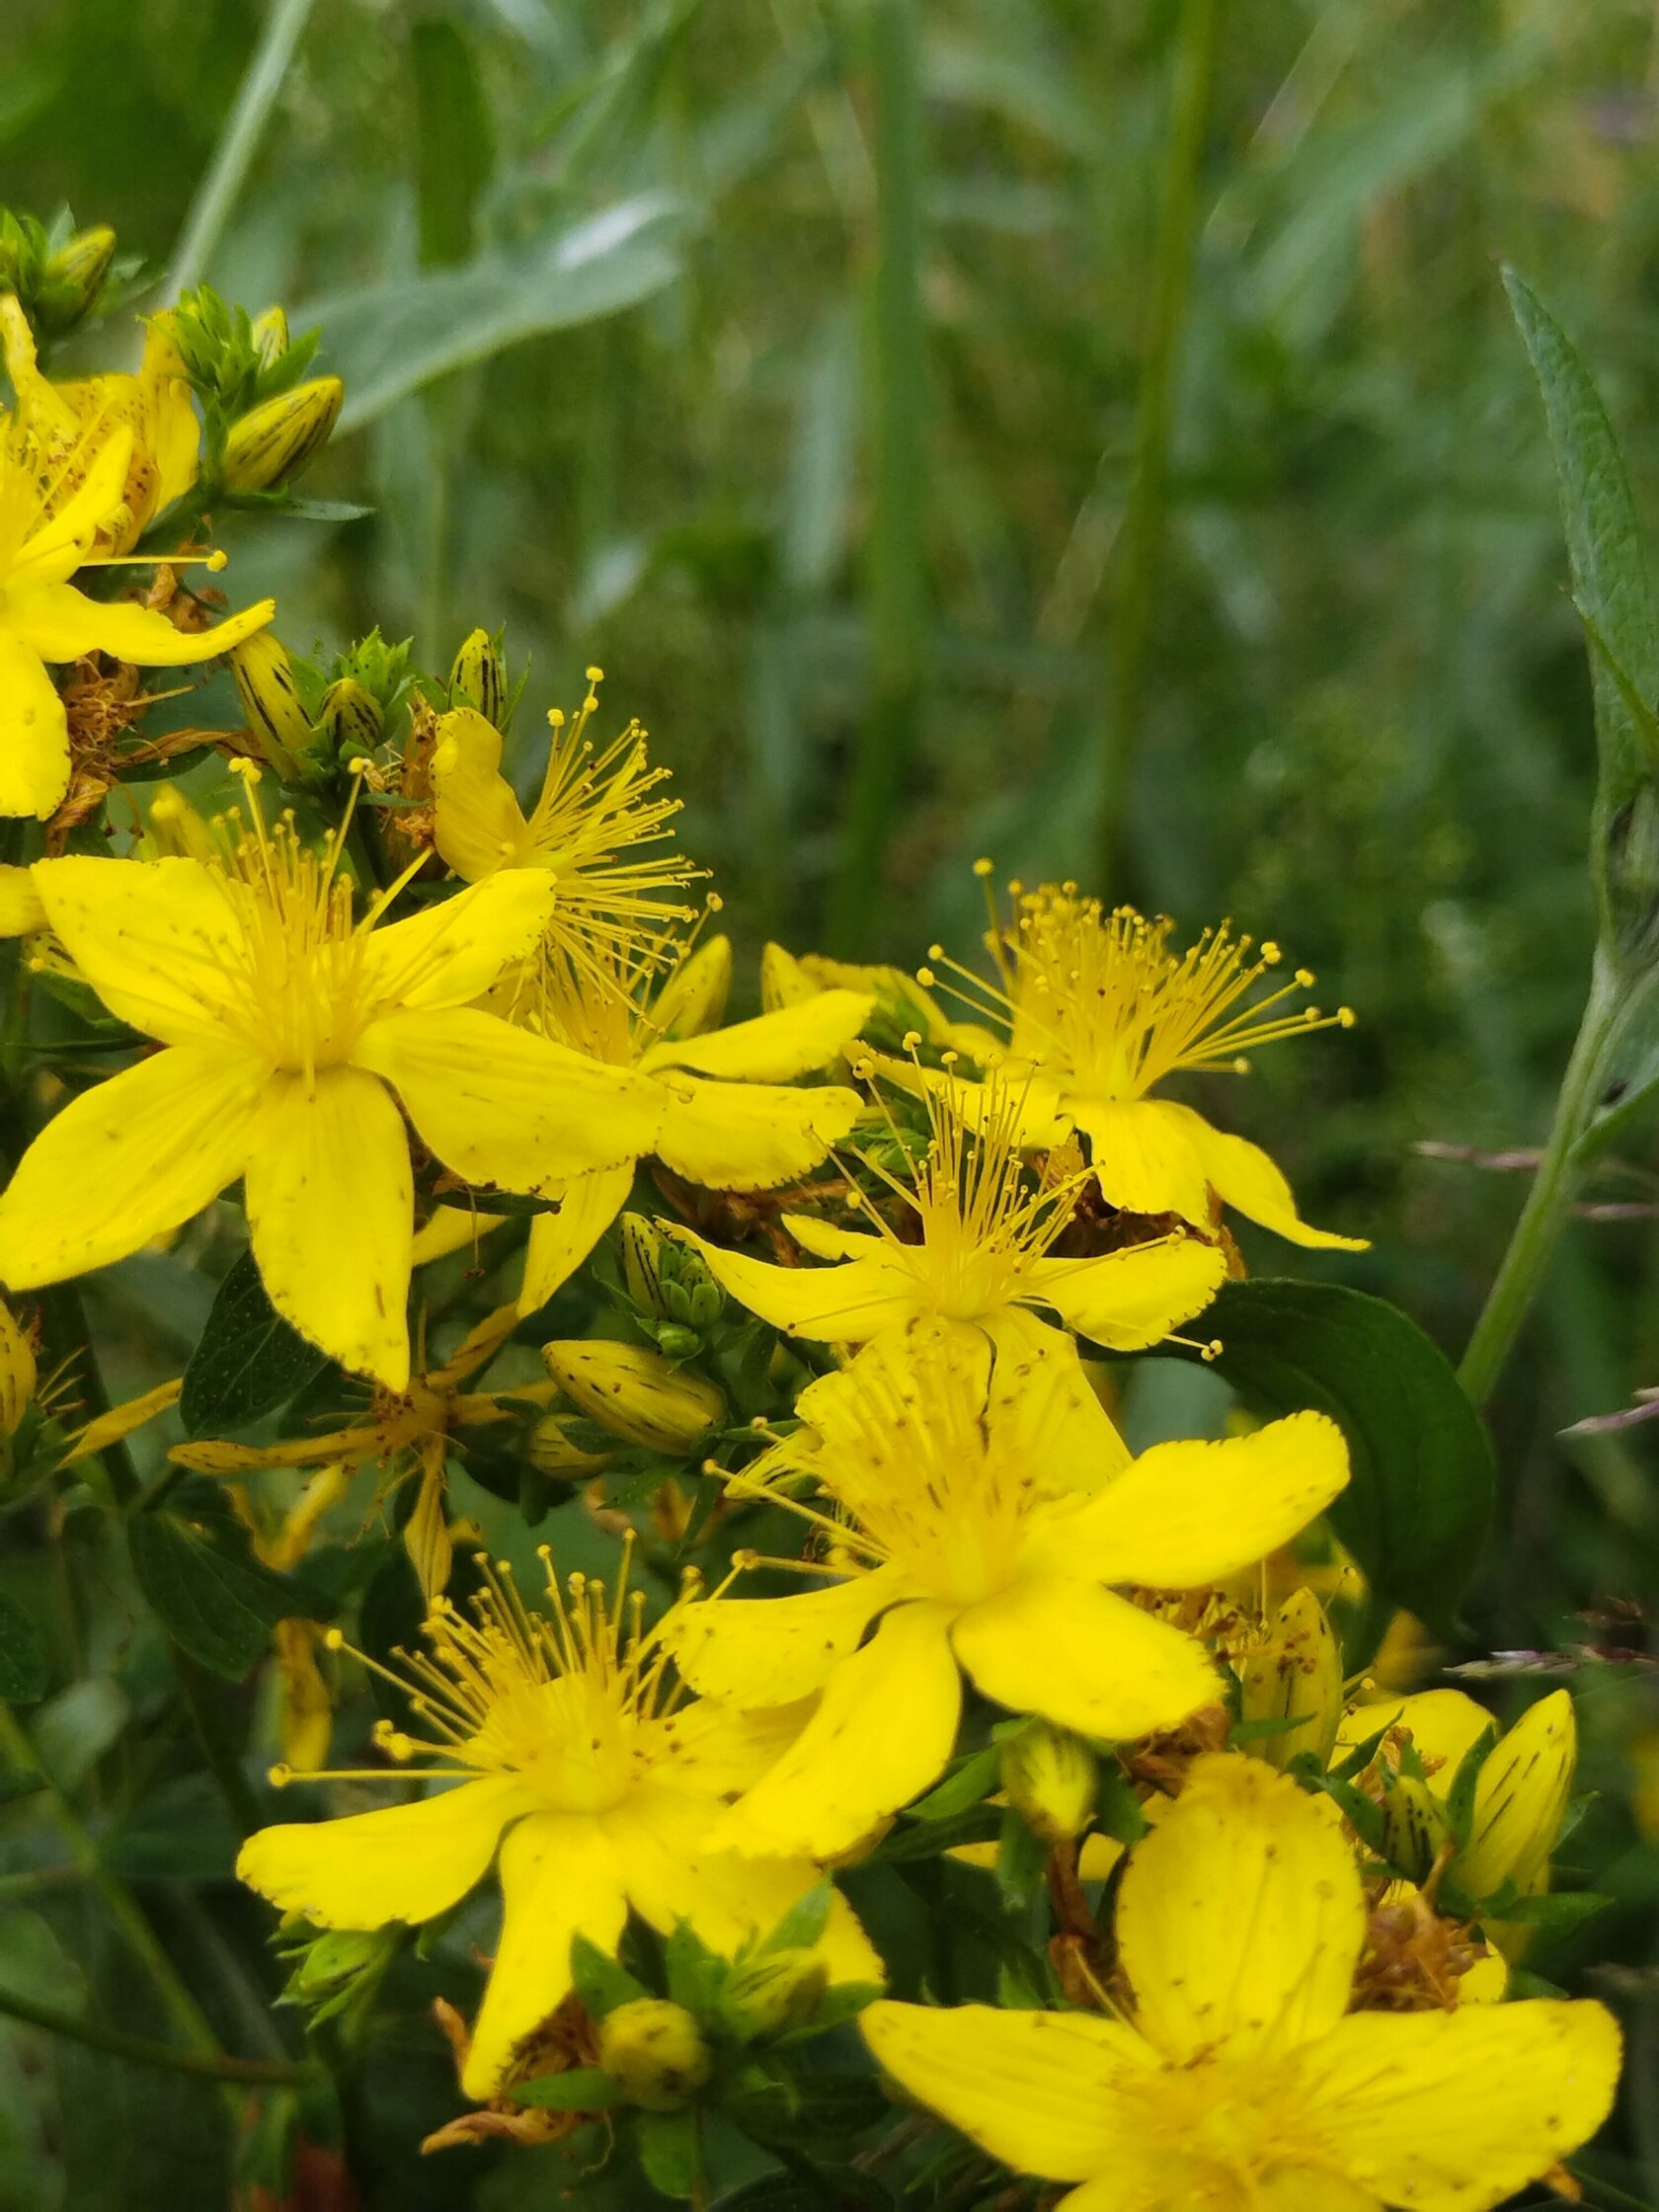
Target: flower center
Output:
[(1236, 2126)]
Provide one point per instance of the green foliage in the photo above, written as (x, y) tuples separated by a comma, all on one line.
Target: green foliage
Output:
[(195, 1564), (246, 1360)]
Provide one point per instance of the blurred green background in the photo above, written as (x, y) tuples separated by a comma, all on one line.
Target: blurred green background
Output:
[(1093, 435)]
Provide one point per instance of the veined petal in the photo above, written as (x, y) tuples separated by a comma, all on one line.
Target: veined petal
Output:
[(502, 1107), (478, 824), (561, 1241), (559, 1878), (1129, 1299), (57, 548), (128, 1160), (399, 1863), (34, 732), (717, 1751), (1144, 1156), (1241, 1917), (1188, 1513), (211, 1456), (1456, 2112), (158, 940), (750, 1137), (331, 1206), (451, 952), (1521, 1800), (774, 1047), (1084, 1657), (451, 1228), (1061, 2095), (883, 1733), (660, 1840), (1028, 1105), (1246, 1178), (21, 908), (770, 1651), (1040, 1394), (61, 623), (831, 1304), (827, 1244)]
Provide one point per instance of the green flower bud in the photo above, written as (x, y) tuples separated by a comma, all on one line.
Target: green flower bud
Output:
[(676, 1341), (277, 717), (1414, 1825), (550, 1452), (350, 718), (1295, 1675), (777, 1993), (478, 678), (273, 441), (1050, 1776), (73, 277), (270, 333), (636, 1394), (655, 2051), (708, 1300)]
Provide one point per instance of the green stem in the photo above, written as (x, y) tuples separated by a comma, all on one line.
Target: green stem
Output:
[(217, 192), (214, 2065), (33, 1881), (1550, 1201), (1140, 552)]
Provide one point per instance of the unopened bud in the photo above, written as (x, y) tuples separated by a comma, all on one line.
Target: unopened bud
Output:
[(636, 1394), (1050, 1776), (271, 336), (273, 441), (1295, 1675), (778, 1993), (350, 717), (655, 2052), (550, 1452), (642, 1264), (74, 276), (18, 1373), (277, 717), (478, 678), (1520, 1800), (783, 980), (694, 996), (1414, 1825)]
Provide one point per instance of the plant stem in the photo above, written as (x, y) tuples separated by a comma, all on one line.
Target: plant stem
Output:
[(216, 194), (1549, 1200), (1140, 551), (214, 2065), (33, 1881)]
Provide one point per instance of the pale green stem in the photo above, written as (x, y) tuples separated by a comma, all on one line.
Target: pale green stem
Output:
[(249, 2072), (217, 192)]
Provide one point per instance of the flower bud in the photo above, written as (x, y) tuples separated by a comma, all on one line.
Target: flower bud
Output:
[(1414, 1825), (73, 277), (271, 701), (636, 1394), (783, 980), (655, 2051), (694, 996), (1050, 1776), (775, 1993), (18, 1373), (273, 440), (478, 678), (550, 1452), (270, 333), (1520, 1800), (676, 1340), (1295, 1676), (350, 717), (642, 1264)]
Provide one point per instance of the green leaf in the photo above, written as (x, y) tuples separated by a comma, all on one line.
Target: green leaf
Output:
[(1419, 1498), (599, 1981), (669, 2151), (1116, 1810), (23, 1671), (217, 1602), (454, 143), (968, 1781), (1460, 1799), (580, 2089), (1021, 1856), (837, 2185), (249, 1361), (805, 1922)]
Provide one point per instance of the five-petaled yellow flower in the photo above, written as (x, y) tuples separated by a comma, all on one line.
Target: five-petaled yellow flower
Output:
[(597, 1780), (292, 1031), (1242, 2083), (1093, 1010), (972, 1505), (57, 495)]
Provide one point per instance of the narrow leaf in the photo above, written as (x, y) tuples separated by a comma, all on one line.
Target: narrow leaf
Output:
[(217, 1602), (23, 1671), (249, 1361)]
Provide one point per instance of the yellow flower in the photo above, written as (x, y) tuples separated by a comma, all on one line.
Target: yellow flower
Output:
[(292, 1030), (962, 1500), (1096, 1010), (55, 500), (715, 1109), (1242, 2083), (1295, 1674), (596, 1780), (980, 1253), (592, 814)]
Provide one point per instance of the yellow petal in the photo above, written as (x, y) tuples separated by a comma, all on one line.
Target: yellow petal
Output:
[(1084, 1657), (750, 1137), (559, 1878), (1190, 1513), (1039, 1393), (121, 1421), (1246, 1178), (1456, 2112), (827, 1244), (1443, 1724), (1520, 1799), (62, 541), (158, 940), (331, 1216), (770, 1651), (882, 1735), (694, 996), (561, 1241), (128, 1160), (399, 1863), (453, 1228), (660, 1835), (1061, 2095), (21, 908), (451, 954), (717, 1751), (502, 1107), (61, 623), (1027, 1106), (1240, 1916), (1129, 1300), (33, 734), (1143, 1158), (478, 822), (774, 1047), (831, 1305)]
